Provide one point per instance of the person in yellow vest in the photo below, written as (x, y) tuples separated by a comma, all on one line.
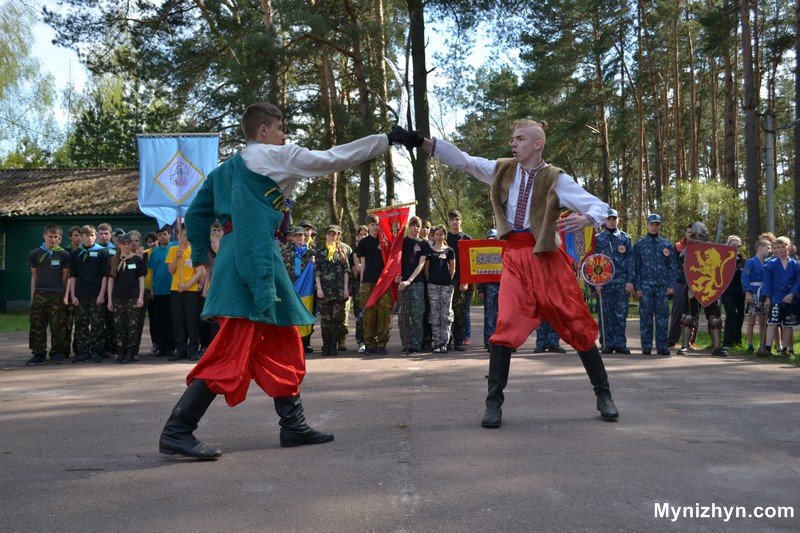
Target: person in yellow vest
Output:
[(185, 300)]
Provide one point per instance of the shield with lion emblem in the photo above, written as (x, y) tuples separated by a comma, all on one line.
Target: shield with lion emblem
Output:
[(709, 269)]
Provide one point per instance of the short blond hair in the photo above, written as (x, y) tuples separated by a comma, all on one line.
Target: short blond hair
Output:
[(782, 240), (734, 238), (530, 123)]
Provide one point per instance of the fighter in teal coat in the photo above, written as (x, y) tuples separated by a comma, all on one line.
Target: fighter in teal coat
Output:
[(250, 293)]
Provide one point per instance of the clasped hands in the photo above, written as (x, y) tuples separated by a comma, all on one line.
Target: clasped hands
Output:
[(409, 139)]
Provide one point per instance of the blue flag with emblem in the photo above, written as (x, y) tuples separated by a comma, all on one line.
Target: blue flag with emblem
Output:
[(172, 167), (304, 285)]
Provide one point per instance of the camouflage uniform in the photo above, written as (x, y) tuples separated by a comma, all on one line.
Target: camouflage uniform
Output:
[(90, 327), (377, 319), (110, 346), (289, 262), (413, 307), (460, 298), (618, 246), (47, 304), (415, 252), (441, 297), (547, 339), (48, 309), (126, 328), (655, 272), (87, 269), (490, 293), (344, 328), (357, 308), (331, 275)]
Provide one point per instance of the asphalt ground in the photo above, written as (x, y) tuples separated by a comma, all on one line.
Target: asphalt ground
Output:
[(697, 435)]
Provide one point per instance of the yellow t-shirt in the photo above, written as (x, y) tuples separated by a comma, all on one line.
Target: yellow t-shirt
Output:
[(148, 279), (185, 272)]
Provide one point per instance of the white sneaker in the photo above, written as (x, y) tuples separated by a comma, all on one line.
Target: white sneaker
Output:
[(362, 348)]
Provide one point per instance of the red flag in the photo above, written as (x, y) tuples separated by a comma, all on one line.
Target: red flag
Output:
[(481, 260), (390, 235)]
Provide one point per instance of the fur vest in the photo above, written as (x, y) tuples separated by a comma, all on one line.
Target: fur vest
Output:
[(545, 205)]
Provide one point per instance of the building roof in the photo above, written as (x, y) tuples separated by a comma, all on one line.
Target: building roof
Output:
[(47, 192)]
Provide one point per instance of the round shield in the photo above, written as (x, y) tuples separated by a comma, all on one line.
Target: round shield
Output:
[(597, 270)]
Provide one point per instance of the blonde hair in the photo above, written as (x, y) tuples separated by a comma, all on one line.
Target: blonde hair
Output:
[(782, 240), (530, 123), (734, 238)]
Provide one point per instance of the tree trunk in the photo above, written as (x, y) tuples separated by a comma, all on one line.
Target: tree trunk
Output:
[(677, 103), (729, 172), (605, 158), (694, 123), (796, 172), (383, 86), (658, 141), (328, 94), (713, 164), (750, 107), (419, 161)]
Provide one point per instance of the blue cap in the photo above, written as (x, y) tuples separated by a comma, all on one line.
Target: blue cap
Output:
[(612, 213), (654, 218), (491, 234)]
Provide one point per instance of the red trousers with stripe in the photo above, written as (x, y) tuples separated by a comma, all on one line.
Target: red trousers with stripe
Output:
[(541, 286), (244, 350)]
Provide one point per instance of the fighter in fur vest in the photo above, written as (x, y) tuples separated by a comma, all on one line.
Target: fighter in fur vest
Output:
[(545, 205), (537, 281)]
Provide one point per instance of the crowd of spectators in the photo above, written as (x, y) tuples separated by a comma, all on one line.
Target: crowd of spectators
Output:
[(93, 295)]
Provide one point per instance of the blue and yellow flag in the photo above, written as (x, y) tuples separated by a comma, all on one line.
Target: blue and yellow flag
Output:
[(304, 286), (172, 166)]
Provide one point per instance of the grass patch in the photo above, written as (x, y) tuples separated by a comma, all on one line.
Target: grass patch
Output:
[(740, 350), (14, 322)]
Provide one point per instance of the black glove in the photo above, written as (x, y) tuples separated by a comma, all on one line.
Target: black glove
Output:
[(398, 135), (414, 139)]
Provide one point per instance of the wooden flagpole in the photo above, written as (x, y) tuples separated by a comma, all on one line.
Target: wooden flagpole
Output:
[(375, 210)]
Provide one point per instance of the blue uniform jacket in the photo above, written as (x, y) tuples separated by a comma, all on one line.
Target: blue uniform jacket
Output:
[(753, 272), (778, 282), (619, 247), (656, 264)]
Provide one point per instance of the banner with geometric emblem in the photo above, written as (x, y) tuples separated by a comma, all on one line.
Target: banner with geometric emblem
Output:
[(709, 269), (481, 260), (172, 166)]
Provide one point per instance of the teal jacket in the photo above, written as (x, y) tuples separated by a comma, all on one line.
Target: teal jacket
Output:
[(249, 279)]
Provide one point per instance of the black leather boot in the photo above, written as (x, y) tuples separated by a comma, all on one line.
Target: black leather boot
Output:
[(596, 371), (294, 430), (177, 437), (333, 340), (307, 344), (499, 363)]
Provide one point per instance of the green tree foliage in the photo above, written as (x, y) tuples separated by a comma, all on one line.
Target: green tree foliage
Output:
[(643, 99), (108, 117), (28, 132)]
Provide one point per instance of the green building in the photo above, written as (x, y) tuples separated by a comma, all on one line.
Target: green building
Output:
[(31, 199)]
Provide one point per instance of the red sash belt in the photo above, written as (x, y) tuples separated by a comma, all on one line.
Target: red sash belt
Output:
[(520, 239)]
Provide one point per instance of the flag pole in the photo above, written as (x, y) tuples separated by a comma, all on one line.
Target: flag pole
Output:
[(180, 244), (375, 210)]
